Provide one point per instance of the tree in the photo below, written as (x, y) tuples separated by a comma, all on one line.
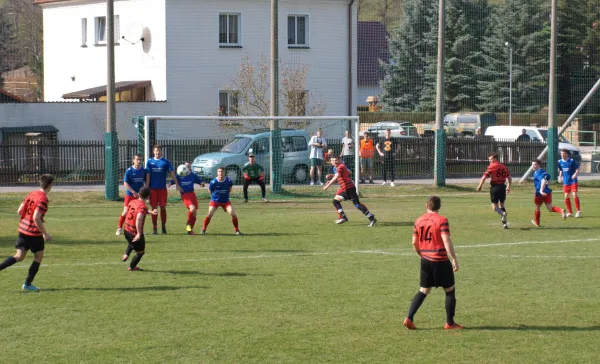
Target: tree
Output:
[(524, 24), (387, 12), (251, 86)]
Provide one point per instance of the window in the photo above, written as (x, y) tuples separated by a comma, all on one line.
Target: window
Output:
[(100, 29), (229, 29), (261, 146), (298, 31), (228, 103), (83, 32), (296, 102), (294, 144)]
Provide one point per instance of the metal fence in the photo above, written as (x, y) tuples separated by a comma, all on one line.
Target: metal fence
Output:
[(82, 162)]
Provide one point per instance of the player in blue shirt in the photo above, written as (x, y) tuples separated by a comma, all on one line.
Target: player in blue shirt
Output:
[(543, 194), (189, 197), (220, 188), (134, 179), (158, 169), (568, 170)]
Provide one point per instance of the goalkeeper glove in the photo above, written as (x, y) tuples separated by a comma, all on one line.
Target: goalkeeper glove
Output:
[(246, 177)]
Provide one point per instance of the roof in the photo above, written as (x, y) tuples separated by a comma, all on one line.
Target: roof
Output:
[(7, 97), (96, 92), (28, 129), (372, 39), (39, 2)]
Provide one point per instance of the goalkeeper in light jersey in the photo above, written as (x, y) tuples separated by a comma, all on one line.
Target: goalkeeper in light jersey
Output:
[(188, 196), (253, 172)]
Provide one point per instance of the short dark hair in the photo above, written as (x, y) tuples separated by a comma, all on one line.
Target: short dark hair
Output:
[(137, 155), (144, 192), (493, 155), (221, 168), (388, 129), (538, 161), (565, 150), (434, 203), (46, 180), (157, 146)]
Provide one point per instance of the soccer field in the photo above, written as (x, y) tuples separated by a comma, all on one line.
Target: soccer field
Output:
[(296, 288)]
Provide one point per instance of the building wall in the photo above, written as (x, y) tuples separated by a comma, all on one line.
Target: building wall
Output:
[(65, 58)]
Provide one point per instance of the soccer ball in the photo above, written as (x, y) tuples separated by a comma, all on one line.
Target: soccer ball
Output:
[(183, 170)]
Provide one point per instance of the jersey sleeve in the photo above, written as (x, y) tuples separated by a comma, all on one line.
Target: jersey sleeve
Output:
[(126, 177), (42, 205), (211, 186), (246, 168), (488, 172), (546, 176), (169, 166), (445, 227), (197, 179)]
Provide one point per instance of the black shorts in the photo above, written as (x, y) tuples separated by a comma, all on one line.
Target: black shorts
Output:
[(498, 193), (350, 194), (436, 274), (138, 245), (28, 242)]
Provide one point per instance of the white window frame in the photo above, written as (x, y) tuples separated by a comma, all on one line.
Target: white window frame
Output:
[(295, 43), (84, 32), (239, 29), (100, 39), (232, 99)]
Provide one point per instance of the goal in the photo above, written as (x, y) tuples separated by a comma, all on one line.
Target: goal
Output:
[(210, 142)]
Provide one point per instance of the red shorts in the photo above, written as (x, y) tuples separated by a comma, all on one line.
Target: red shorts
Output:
[(216, 204), (572, 188), (189, 199), (540, 200), (158, 197), (128, 199)]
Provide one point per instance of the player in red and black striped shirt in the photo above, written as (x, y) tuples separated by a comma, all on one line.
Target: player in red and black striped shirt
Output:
[(347, 191), (431, 240), (499, 175), (134, 227), (32, 231)]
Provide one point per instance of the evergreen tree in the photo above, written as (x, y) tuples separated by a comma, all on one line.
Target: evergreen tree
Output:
[(524, 24)]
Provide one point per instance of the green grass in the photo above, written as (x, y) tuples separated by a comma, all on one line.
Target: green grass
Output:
[(299, 289)]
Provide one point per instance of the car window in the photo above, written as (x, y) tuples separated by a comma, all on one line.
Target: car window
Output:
[(467, 119), (299, 143), (261, 146), (236, 146)]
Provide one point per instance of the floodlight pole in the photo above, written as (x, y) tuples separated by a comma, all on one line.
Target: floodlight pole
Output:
[(276, 162), (111, 142), (510, 79), (551, 166)]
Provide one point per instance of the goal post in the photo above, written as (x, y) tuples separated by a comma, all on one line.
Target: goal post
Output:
[(290, 168)]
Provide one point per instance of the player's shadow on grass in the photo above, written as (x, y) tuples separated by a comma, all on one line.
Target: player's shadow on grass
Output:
[(199, 273), (535, 328), (395, 223), (280, 251), (124, 289), (556, 228)]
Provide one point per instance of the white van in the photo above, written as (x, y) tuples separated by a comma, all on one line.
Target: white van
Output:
[(511, 133)]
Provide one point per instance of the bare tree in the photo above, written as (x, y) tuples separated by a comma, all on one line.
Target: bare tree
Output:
[(250, 87), (388, 11)]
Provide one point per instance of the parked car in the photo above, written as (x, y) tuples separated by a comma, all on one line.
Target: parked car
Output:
[(234, 155), (399, 129), (463, 124), (511, 133)]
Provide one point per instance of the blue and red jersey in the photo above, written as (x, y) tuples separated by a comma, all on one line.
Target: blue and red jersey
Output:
[(135, 178), (158, 169), (220, 189), (538, 177), (568, 168)]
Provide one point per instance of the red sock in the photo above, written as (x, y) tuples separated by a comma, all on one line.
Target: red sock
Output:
[(234, 220), (538, 214), (557, 209), (192, 220), (206, 222), (577, 206), (121, 221), (163, 216), (154, 220), (568, 203), (339, 215), (189, 220)]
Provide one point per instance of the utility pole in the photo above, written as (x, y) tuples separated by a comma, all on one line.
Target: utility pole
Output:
[(111, 142), (439, 171), (552, 129), (276, 157)]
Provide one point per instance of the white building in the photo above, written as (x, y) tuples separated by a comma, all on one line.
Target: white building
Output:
[(181, 54)]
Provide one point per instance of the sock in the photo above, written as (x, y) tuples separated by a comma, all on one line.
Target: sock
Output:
[(234, 220), (503, 209), (136, 259), (568, 203), (538, 214), (7, 262), (206, 222), (417, 301), (577, 206), (129, 249), (121, 221), (557, 209), (33, 269), (498, 211), (338, 206), (154, 221), (362, 208), (192, 220), (163, 216), (189, 219), (450, 306)]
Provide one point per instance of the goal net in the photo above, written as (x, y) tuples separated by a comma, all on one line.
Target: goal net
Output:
[(210, 142)]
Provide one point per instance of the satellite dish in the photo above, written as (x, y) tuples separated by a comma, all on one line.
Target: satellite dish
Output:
[(147, 39)]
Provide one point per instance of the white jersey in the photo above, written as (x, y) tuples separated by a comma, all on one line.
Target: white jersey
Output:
[(316, 152)]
